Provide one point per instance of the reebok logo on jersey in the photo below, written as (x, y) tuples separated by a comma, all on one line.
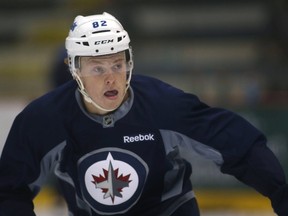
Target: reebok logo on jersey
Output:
[(138, 138)]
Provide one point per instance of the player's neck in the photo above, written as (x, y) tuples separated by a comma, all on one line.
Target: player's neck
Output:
[(97, 111)]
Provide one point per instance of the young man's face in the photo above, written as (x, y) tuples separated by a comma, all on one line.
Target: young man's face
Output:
[(104, 78)]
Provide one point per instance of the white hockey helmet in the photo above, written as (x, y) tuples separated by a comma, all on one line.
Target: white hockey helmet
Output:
[(96, 35)]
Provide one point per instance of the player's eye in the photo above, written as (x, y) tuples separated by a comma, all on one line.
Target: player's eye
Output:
[(98, 70), (118, 67)]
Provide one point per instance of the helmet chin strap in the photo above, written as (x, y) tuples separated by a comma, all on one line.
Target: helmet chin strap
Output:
[(87, 97)]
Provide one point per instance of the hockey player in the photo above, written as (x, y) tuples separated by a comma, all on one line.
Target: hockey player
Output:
[(119, 143)]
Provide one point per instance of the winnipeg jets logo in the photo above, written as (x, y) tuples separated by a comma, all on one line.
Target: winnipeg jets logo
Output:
[(112, 179), (111, 184)]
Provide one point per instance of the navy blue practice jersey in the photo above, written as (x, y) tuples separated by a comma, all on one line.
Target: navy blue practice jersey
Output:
[(134, 161)]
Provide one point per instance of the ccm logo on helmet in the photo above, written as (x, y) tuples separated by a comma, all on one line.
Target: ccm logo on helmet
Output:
[(138, 138), (104, 42)]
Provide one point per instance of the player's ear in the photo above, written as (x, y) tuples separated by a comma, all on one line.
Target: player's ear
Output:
[(66, 61)]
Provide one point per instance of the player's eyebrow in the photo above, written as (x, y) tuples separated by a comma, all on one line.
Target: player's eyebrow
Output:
[(100, 60)]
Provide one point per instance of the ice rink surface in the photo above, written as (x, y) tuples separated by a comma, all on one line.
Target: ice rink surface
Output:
[(62, 212)]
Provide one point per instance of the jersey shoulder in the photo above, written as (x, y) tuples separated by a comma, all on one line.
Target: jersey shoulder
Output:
[(154, 86), (160, 92), (59, 100), (165, 104)]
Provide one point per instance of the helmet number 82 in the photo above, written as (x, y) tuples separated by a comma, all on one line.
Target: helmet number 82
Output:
[(101, 23)]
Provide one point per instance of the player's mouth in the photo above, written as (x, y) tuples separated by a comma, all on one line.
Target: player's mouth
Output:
[(112, 94)]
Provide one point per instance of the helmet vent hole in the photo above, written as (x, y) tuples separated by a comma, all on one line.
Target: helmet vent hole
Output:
[(119, 39), (86, 43), (77, 42), (83, 36), (97, 51), (96, 32), (112, 48)]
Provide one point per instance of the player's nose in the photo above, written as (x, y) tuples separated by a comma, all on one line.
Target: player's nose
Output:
[(109, 77)]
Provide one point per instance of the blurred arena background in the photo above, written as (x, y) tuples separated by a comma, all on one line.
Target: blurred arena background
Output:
[(232, 54)]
